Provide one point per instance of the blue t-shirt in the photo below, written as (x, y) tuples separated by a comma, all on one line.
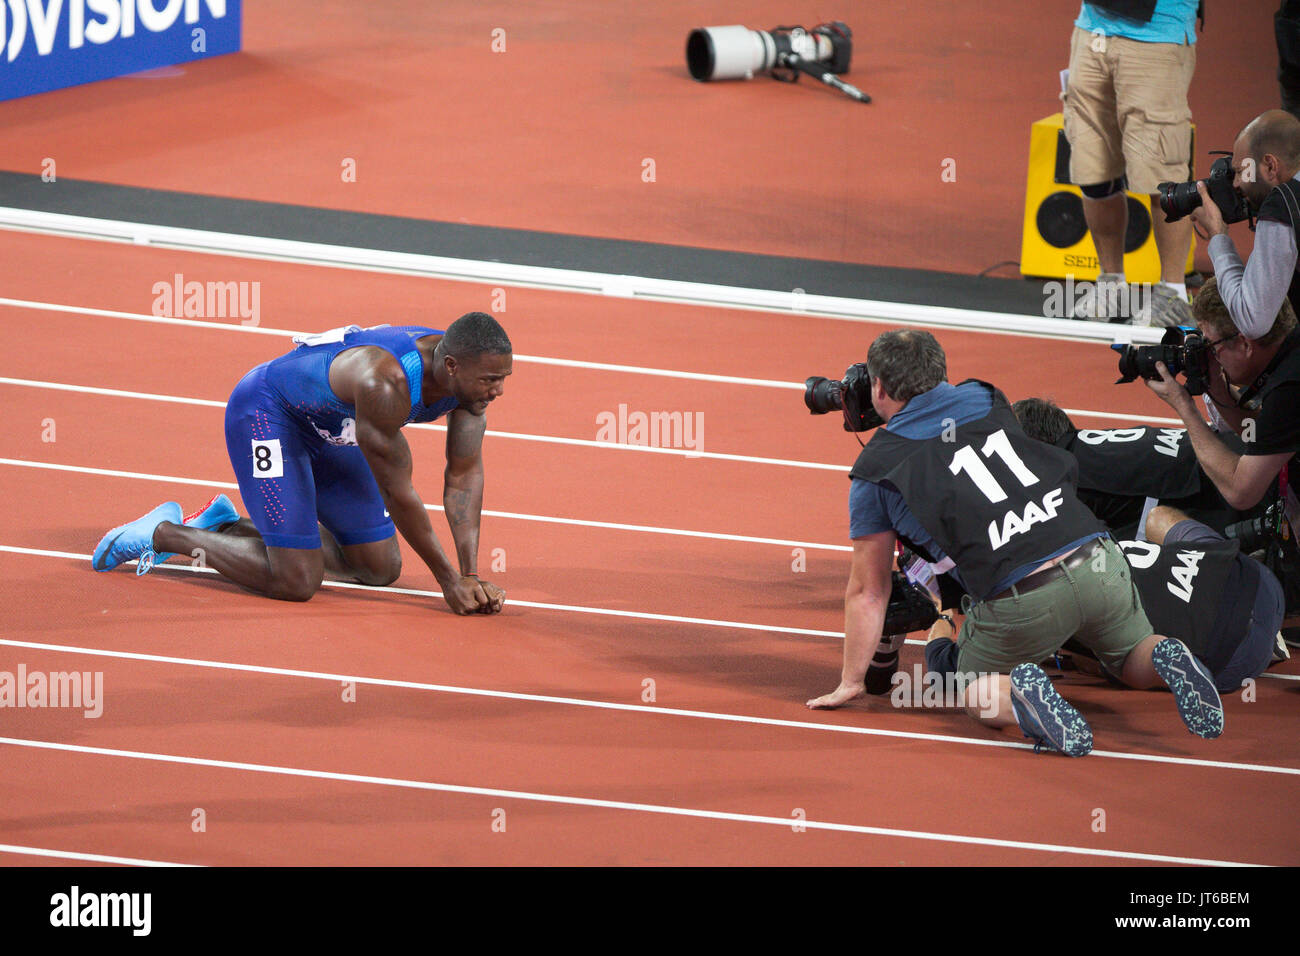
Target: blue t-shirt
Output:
[(1174, 21), (879, 506)]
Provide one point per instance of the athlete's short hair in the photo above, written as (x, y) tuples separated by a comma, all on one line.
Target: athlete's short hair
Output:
[(1042, 419), (908, 363), (474, 334)]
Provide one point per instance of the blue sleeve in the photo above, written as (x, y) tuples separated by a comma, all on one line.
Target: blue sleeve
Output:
[(868, 512)]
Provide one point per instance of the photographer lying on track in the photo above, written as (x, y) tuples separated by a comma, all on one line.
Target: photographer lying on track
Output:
[(1196, 583), (1225, 605), (1125, 472), (1264, 410), (951, 472)]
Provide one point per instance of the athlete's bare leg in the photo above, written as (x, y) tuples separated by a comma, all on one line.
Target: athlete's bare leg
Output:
[(376, 563), (288, 574)]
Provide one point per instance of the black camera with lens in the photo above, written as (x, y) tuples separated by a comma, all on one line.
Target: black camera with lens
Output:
[(852, 396), (1182, 349), (1256, 534), (1268, 537), (1179, 199)]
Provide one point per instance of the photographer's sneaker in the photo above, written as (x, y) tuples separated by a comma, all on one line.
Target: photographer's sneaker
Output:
[(1045, 716), (1106, 301), (1164, 307), (1194, 692)]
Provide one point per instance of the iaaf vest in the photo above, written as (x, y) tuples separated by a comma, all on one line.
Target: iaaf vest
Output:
[(992, 498), (1181, 586), (1145, 462)]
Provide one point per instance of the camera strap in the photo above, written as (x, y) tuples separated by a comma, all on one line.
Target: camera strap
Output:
[(1249, 394), (1290, 504)]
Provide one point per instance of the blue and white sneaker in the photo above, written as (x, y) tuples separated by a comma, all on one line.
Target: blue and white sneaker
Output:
[(1045, 716), (134, 540), (218, 511), (1194, 692)]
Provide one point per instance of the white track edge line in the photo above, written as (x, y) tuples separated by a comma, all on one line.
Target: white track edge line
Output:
[(566, 280), (542, 360), (487, 513), (85, 857), (615, 706), (536, 605), (597, 803)]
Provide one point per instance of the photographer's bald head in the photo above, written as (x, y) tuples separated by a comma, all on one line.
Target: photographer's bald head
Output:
[(1271, 143)]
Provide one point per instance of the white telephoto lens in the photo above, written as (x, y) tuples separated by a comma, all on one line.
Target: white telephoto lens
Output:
[(729, 53)]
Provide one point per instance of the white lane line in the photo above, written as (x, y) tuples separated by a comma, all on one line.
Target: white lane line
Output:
[(606, 525), (290, 333), (537, 605), (654, 808), (537, 359), (783, 303), (510, 515), (609, 705), (425, 426), (88, 857)]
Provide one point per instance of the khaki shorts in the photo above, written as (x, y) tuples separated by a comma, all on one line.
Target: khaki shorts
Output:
[(1096, 603), (1126, 111)]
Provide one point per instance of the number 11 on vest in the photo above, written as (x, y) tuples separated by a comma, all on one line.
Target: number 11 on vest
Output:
[(997, 445)]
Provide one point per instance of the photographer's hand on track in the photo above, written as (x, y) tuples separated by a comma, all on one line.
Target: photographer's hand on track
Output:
[(866, 600), (1207, 215), (840, 695)]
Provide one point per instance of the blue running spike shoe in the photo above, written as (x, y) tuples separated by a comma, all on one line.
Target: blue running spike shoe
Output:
[(218, 511), (134, 540), (1194, 692), (1045, 716)]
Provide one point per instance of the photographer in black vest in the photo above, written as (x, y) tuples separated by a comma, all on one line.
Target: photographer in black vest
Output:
[(952, 474), (1125, 472), (1265, 162), (1225, 605), (1254, 385)]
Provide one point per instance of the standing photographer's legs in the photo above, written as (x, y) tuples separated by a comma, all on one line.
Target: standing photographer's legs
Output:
[(1173, 242), (1107, 221), (1151, 84)]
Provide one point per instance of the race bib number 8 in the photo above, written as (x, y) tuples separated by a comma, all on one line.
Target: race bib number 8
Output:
[(267, 460)]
